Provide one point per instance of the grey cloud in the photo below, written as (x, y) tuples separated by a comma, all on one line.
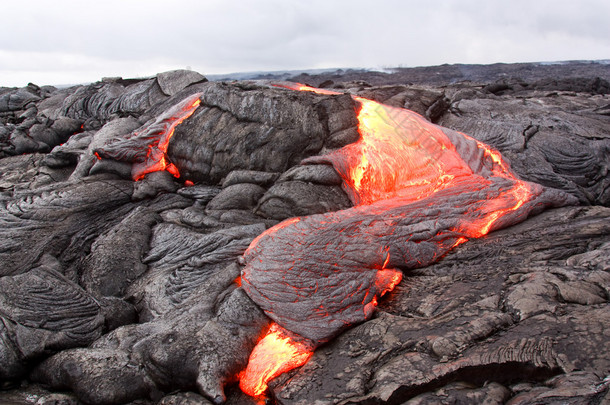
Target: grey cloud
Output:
[(216, 36)]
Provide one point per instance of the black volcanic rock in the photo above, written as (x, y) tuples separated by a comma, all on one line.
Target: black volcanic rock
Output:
[(503, 319), (288, 199), (554, 145), (443, 75), (180, 260), (256, 127), (174, 81), (61, 220), (116, 256), (250, 176), (207, 343), (91, 106), (121, 292), (42, 311), (237, 196), (17, 100)]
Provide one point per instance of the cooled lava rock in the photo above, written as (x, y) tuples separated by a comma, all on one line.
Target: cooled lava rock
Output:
[(116, 291)]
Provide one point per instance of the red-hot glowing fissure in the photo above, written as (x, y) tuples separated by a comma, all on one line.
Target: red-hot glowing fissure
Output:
[(156, 156), (399, 156)]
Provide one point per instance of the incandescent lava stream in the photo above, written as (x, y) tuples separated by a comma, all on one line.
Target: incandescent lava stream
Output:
[(418, 189)]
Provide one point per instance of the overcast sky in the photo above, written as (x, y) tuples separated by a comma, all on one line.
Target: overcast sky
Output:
[(76, 41)]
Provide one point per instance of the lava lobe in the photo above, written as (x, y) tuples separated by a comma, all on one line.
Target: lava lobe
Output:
[(419, 190)]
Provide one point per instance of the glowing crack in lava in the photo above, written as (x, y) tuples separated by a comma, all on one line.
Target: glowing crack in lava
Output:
[(146, 148), (418, 189), (156, 157)]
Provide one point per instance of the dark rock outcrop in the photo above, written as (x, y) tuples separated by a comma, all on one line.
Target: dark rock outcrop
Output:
[(256, 127), (557, 142), (41, 312)]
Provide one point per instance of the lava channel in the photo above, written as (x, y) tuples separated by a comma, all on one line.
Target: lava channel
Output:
[(418, 191)]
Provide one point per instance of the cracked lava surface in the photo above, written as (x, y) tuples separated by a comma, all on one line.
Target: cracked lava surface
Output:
[(418, 189)]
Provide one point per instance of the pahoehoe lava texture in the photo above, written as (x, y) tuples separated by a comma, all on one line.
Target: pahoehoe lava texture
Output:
[(114, 291), (319, 275)]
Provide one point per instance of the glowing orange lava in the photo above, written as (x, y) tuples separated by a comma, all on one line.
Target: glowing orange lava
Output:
[(156, 156), (275, 354), (399, 154), (402, 155), (237, 281), (399, 159)]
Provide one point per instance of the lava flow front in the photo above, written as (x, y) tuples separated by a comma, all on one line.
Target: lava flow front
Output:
[(418, 189), (275, 354), (403, 157)]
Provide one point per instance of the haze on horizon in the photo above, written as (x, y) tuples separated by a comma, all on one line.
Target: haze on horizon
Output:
[(70, 41)]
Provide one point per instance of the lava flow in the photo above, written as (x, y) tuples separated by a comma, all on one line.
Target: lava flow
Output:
[(156, 156), (146, 148), (276, 353), (401, 156), (418, 191)]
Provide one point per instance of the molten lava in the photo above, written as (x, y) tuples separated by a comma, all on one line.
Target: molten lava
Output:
[(401, 156), (275, 354), (156, 156), (419, 190), (146, 148)]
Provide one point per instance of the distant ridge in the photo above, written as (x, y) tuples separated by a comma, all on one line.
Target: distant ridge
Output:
[(435, 75), (431, 75)]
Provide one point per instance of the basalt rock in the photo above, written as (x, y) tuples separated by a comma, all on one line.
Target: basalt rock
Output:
[(117, 292), (37, 119), (254, 127), (457, 320), (200, 344), (560, 142), (296, 198), (116, 256), (61, 219), (43, 312), (181, 260)]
